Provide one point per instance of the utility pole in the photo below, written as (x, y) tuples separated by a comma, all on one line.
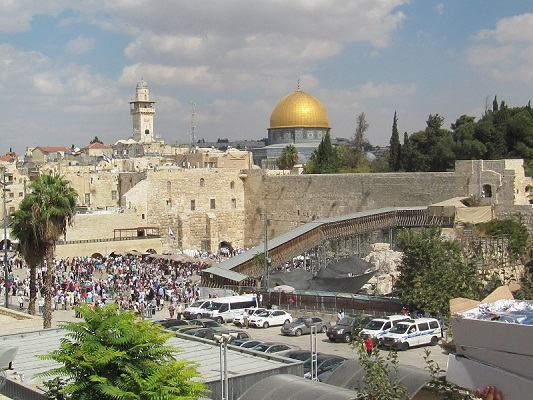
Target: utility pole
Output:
[(6, 269), (265, 254)]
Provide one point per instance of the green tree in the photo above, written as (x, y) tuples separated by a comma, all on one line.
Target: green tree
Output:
[(288, 157), (517, 231), (395, 147), (42, 218), (116, 355), (326, 159), (355, 155), (432, 271)]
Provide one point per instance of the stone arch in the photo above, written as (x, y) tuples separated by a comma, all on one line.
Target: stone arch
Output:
[(151, 251), (97, 255), (202, 182), (226, 245), (232, 185)]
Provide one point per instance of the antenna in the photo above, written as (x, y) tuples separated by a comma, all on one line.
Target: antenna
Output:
[(193, 127)]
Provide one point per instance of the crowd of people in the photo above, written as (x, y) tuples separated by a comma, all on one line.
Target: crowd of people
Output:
[(140, 283)]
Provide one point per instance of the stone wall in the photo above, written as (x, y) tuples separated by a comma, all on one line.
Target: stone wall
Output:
[(292, 200), (100, 225)]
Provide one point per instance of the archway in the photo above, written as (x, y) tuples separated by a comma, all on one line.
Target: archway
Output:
[(97, 255), (225, 247), (151, 251)]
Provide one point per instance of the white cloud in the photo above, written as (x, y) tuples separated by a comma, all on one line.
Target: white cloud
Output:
[(504, 53), (510, 30), (80, 45)]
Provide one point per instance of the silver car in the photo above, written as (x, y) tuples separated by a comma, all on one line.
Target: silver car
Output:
[(303, 325)]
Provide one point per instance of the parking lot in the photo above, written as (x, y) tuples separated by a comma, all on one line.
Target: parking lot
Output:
[(413, 356)]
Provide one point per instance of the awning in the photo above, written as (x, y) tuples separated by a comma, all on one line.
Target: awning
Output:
[(225, 273)]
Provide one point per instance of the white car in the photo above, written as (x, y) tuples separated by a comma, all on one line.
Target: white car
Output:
[(270, 318), (238, 320)]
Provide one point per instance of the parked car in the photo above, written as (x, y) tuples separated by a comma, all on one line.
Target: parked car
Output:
[(324, 362), (245, 343), (198, 332), (169, 323), (204, 323), (378, 327), (251, 311), (235, 333), (413, 332), (303, 325), (348, 327), (274, 347), (300, 355), (270, 318), (324, 373)]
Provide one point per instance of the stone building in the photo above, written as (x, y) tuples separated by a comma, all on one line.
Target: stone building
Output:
[(202, 207)]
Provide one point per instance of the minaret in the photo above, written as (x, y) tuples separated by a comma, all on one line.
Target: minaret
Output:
[(142, 111)]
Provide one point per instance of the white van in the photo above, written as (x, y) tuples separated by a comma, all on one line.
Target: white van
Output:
[(380, 326), (227, 308), (413, 332), (196, 309)]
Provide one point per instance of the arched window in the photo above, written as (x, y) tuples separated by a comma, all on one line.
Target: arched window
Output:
[(169, 187), (232, 185), (202, 182), (486, 191)]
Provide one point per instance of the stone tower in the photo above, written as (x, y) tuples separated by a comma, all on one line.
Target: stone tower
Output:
[(142, 111)]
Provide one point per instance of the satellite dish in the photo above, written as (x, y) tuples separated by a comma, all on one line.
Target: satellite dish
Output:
[(158, 136)]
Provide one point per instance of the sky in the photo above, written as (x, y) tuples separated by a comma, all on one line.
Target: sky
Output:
[(69, 68)]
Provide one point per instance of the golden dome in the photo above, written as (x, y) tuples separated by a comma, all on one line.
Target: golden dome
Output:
[(299, 109)]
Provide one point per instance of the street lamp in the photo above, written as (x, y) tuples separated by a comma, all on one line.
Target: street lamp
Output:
[(223, 340)]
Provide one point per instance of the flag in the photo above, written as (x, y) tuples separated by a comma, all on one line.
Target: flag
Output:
[(171, 233), (106, 158)]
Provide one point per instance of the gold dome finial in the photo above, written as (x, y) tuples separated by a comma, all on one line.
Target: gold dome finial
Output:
[(298, 85)]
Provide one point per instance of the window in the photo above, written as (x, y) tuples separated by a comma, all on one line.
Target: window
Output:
[(205, 245), (11, 195), (486, 191), (202, 182), (142, 216), (114, 195), (169, 204), (87, 199), (11, 210), (423, 326), (233, 203), (21, 194), (232, 185), (169, 187), (212, 204), (433, 324), (193, 205)]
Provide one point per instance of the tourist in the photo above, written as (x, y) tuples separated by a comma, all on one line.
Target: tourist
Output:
[(21, 302), (369, 345), (171, 310)]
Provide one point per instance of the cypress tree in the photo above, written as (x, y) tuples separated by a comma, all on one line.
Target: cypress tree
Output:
[(395, 147)]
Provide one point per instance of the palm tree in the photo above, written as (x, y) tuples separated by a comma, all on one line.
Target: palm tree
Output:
[(288, 157), (42, 218)]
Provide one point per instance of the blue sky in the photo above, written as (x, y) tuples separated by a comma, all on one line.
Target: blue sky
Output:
[(68, 68)]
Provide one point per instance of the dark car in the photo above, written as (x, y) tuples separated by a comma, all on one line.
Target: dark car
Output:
[(169, 323), (198, 332), (324, 362), (205, 323), (348, 327), (274, 347), (324, 373), (245, 343), (300, 355)]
